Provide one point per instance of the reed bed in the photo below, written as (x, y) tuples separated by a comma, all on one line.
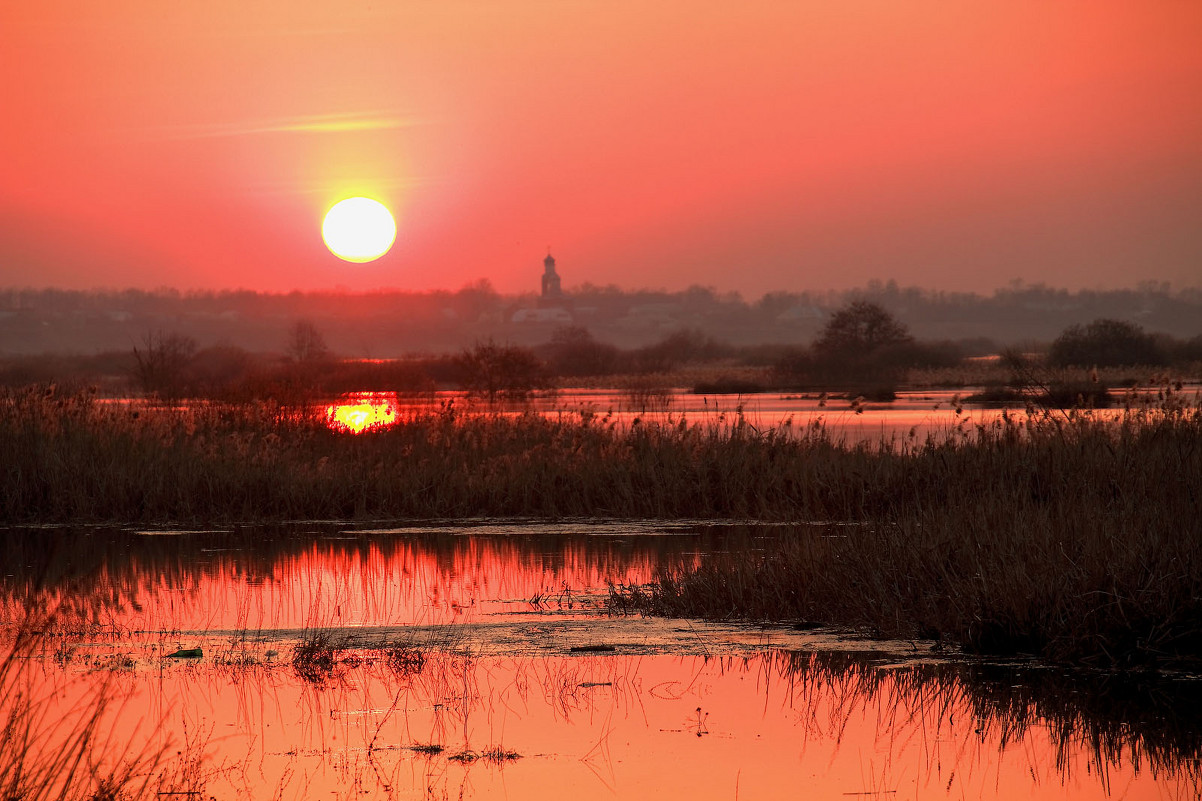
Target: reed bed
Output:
[(58, 735), (75, 459), (1074, 537)]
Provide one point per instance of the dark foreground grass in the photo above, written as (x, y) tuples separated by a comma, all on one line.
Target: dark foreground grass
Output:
[(1075, 536)]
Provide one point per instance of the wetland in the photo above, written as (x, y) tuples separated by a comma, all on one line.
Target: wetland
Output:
[(739, 602)]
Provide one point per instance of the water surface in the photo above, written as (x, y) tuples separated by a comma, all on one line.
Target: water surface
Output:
[(520, 684)]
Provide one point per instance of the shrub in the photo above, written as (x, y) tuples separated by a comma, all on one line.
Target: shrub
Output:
[(493, 371), (859, 329), (680, 347), (1105, 343), (574, 352)]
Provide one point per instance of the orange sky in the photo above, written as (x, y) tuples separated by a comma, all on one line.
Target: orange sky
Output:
[(749, 146)]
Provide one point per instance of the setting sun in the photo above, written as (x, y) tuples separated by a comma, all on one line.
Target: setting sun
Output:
[(358, 229)]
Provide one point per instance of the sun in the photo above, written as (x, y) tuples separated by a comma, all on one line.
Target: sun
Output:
[(358, 229)]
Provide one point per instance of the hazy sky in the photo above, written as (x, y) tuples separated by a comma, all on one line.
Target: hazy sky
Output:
[(750, 146)]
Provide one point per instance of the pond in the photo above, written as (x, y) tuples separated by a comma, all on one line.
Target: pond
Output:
[(480, 660)]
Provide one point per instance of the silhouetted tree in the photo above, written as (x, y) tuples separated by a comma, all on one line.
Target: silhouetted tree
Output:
[(858, 329), (574, 352), (862, 347), (497, 371), (1105, 343), (162, 363), (305, 342)]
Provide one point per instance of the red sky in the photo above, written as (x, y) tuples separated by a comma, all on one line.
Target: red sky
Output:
[(748, 146)]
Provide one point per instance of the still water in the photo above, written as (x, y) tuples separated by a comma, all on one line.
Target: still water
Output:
[(479, 660), (911, 415)]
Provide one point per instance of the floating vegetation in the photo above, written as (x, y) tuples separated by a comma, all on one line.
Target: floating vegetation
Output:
[(405, 659), (315, 657), (495, 755)]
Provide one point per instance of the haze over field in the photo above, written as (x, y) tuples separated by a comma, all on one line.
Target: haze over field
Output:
[(777, 146), (390, 324)]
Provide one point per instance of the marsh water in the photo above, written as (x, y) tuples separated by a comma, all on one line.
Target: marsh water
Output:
[(913, 415), (480, 660)]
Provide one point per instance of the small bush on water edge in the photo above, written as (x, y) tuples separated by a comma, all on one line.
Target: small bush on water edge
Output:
[(315, 657)]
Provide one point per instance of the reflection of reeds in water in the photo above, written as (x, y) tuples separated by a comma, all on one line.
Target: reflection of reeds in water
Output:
[(1072, 727), (368, 718), (56, 737), (1149, 722), (259, 578), (646, 397)]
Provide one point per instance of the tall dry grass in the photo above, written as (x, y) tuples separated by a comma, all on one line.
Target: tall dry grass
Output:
[(75, 459)]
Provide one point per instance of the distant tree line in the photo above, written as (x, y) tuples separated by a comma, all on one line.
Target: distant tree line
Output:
[(862, 349), (392, 323), (1118, 343)]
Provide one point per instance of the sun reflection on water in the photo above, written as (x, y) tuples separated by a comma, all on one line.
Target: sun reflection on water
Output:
[(363, 411)]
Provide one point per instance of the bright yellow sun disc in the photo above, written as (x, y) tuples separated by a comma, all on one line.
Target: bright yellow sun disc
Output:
[(358, 229)]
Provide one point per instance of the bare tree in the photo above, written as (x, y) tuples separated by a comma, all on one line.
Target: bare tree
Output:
[(508, 371), (162, 363), (305, 342)]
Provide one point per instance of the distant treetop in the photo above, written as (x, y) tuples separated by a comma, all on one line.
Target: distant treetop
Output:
[(1105, 343), (861, 327)]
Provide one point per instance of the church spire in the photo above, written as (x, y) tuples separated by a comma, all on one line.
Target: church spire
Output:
[(551, 288)]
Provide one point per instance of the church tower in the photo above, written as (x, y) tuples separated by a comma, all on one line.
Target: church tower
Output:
[(551, 289)]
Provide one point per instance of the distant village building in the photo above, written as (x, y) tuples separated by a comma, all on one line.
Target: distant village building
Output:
[(650, 316), (556, 315)]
